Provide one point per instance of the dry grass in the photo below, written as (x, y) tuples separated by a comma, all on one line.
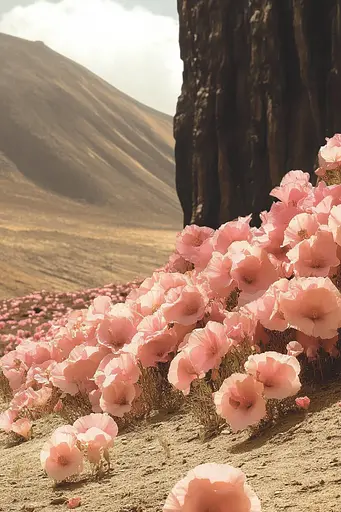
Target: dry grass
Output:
[(158, 394), (75, 407), (66, 253), (200, 398)]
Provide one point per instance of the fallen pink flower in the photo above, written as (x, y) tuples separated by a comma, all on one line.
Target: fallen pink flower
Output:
[(74, 502), (302, 402)]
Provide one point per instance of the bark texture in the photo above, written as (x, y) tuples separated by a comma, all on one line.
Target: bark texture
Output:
[(261, 90)]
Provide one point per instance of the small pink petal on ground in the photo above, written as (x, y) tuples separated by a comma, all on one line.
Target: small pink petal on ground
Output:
[(303, 402), (74, 502)]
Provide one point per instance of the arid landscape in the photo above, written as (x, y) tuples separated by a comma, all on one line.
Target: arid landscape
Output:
[(118, 377), (87, 178)]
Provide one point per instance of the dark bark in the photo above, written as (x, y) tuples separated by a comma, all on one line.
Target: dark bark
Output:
[(261, 90)]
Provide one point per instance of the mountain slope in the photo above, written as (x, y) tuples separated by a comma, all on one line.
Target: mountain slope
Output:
[(87, 193), (68, 132)]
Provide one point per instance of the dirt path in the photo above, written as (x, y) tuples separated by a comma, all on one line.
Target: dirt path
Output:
[(294, 467)]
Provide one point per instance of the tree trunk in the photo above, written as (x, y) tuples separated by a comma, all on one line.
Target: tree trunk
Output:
[(261, 90)]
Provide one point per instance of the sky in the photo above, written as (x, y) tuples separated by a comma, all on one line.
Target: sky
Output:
[(133, 44)]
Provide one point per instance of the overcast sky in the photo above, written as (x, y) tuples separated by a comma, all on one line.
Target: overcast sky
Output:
[(133, 44)]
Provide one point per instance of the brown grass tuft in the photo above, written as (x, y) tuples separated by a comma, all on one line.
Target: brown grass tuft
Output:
[(157, 393), (75, 406), (5, 389)]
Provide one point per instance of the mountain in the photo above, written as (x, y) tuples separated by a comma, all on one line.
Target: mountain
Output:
[(81, 164)]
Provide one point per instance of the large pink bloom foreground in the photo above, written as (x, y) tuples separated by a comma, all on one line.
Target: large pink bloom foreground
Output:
[(216, 487)]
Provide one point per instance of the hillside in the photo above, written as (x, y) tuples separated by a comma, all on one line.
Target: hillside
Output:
[(87, 189)]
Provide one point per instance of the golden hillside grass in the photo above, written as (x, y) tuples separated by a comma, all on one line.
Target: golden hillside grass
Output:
[(68, 253)]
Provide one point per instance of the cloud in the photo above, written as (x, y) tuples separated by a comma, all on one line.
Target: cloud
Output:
[(134, 50)]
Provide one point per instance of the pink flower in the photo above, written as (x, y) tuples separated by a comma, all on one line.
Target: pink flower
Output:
[(177, 263), (101, 421), (278, 373), (217, 274), (152, 323), (7, 418), (190, 240), (60, 457), (83, 362), (125, 365), (294, 187), (74, 502), (313, 306), (57, 378), (294, 348), (270, 235), (94, 397), (233, 231), (323, 208), (208, 346), (116, 329), (187, 308), (13, 369), (95, 441), (182, 371), (31, 399), (168, 281), (217, 487), (152, 300), (334, 223), (154, 348), (315, 256), (251, 269), (99, 308), (22, 427), (240, 401), (303, 402), (330, 154), (267, 308), (241, 325), (117, 395), (301, 227)]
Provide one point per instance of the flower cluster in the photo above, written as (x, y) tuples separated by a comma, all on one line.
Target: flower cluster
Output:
[(223, 293), (90, 436), (241, 400)]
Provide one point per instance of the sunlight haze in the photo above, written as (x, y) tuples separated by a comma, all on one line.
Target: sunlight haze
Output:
[(131, 44)]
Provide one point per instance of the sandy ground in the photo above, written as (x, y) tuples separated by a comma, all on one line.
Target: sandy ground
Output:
[(294, 467)]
